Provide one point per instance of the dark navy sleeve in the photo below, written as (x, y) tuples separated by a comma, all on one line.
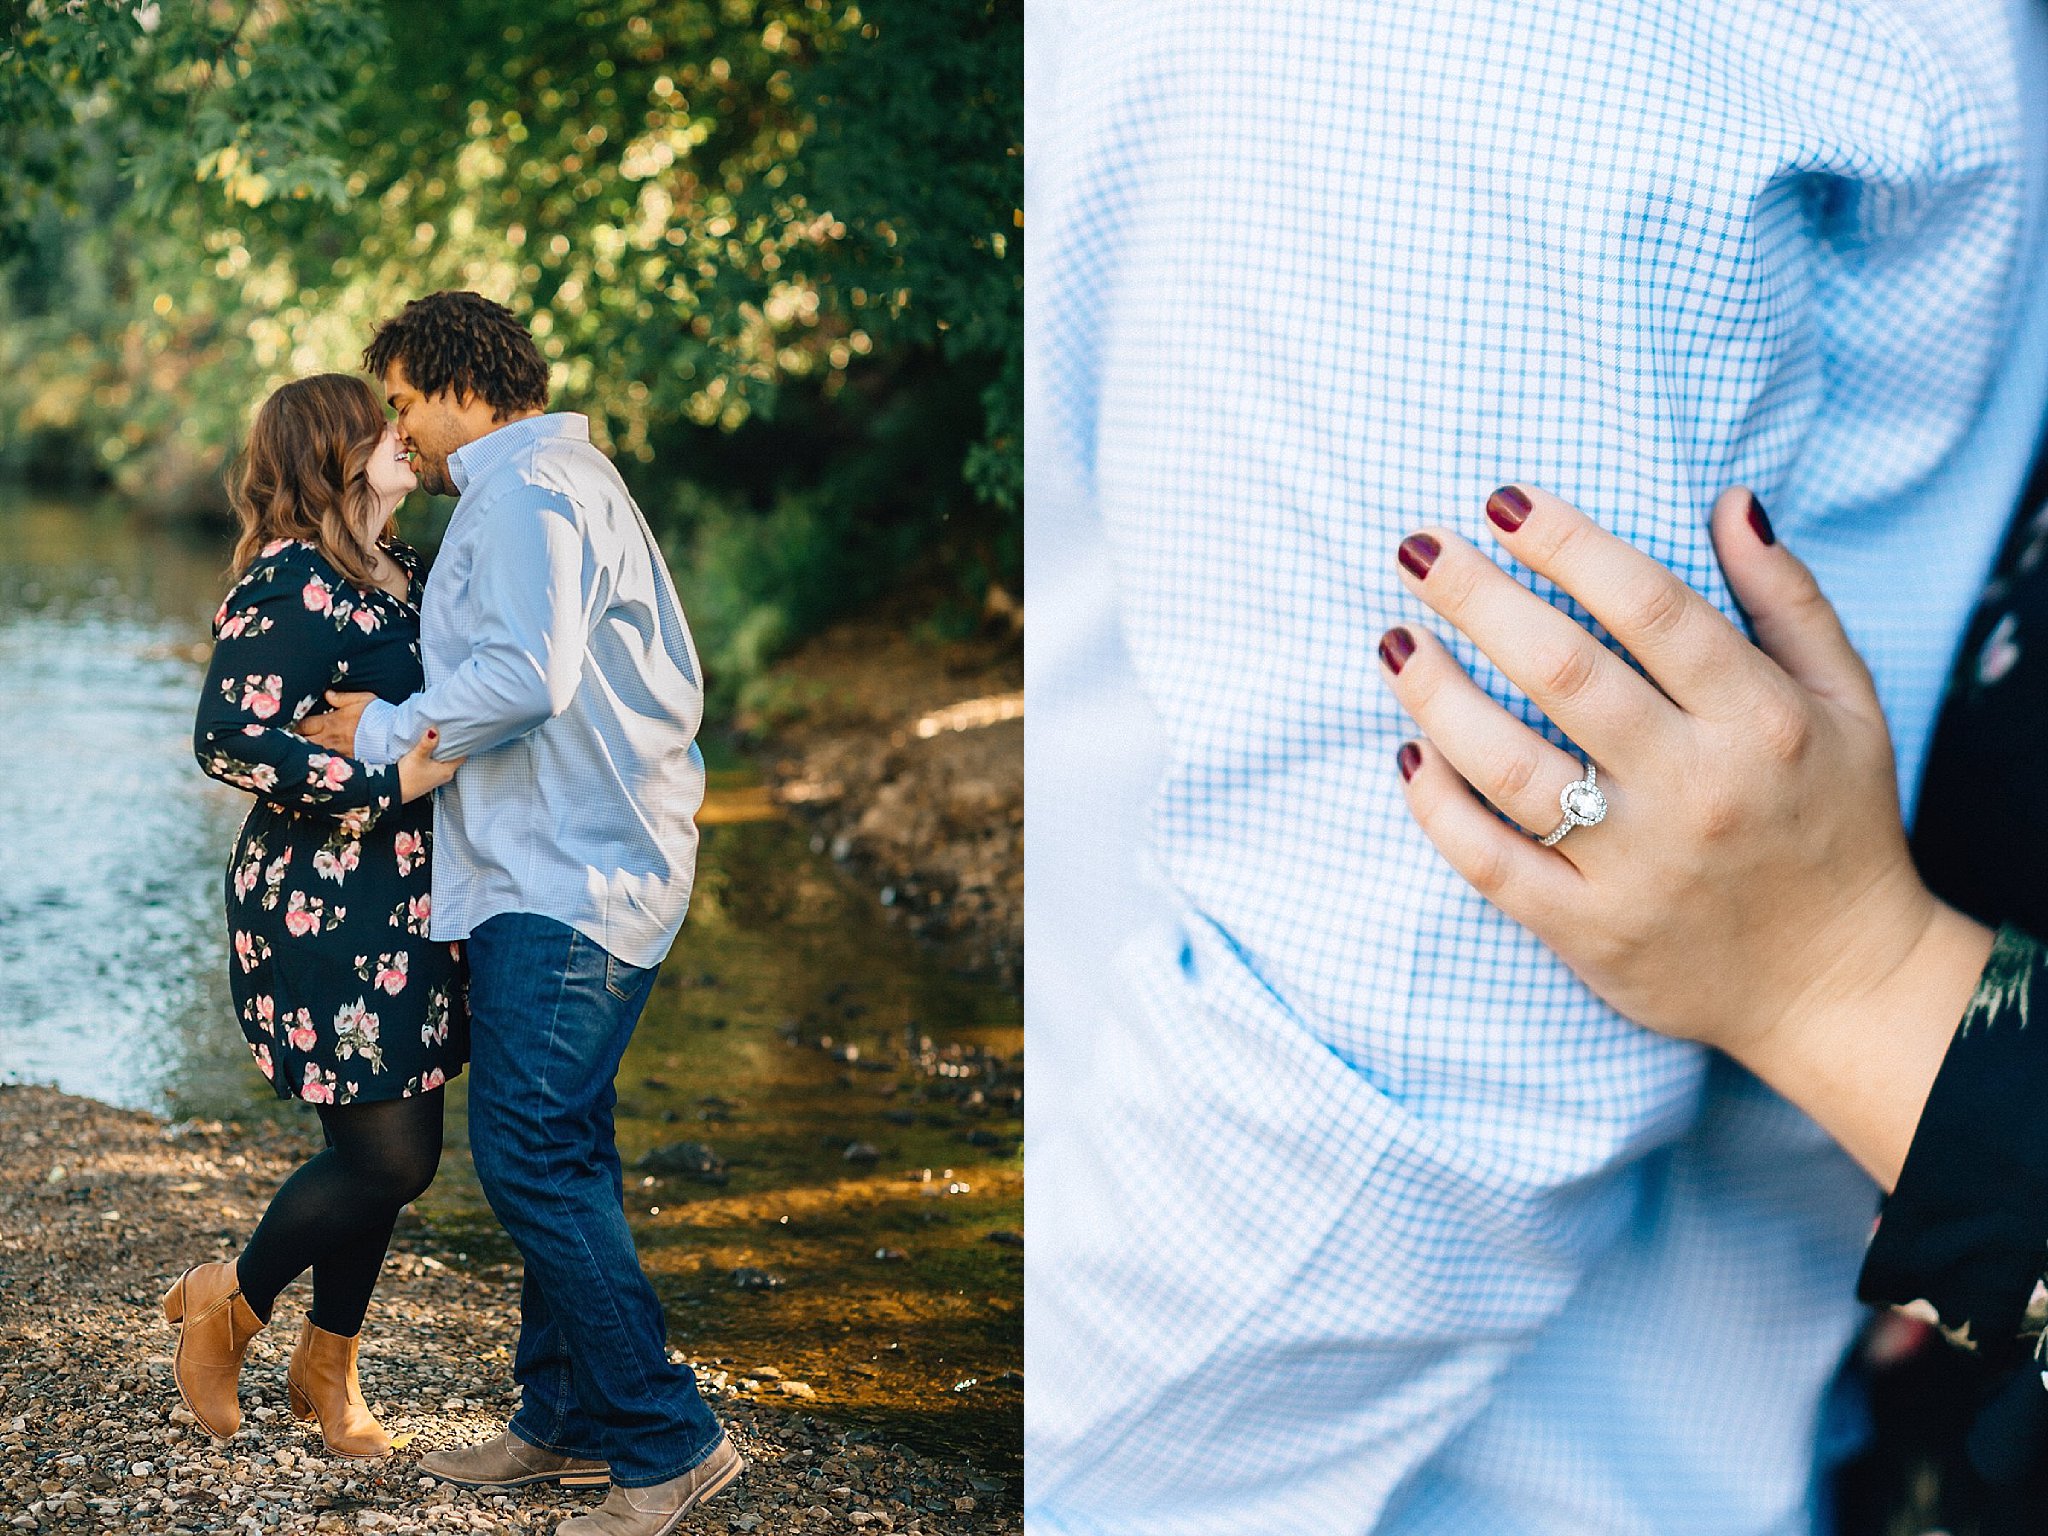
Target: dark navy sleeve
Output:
[(275, 654), (1963, 1239)]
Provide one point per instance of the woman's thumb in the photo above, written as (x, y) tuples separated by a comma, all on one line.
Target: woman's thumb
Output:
[(1794, 622)]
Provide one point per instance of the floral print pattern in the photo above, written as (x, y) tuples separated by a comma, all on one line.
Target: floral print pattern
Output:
[(342, 996), (1963, 1240)]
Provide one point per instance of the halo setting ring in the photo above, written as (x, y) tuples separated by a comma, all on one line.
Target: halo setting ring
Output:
[(1583, 806)]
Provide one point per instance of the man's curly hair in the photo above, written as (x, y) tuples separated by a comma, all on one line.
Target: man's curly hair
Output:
[(462, 341)]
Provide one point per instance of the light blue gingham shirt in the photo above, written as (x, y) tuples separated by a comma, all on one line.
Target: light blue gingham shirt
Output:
[(1350, 1209), (558, 660)]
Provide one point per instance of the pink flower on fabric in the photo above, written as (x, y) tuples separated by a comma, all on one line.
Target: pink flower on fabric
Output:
[(262, 776), (266, 1014), (317, 595), (433, 1079), (230, 629), (246, 878), (391, 974), (262, 1054), (274, 546), (328, 772), (263, 696), (366, 618), (302, 1035), (298, 919), (419, 909), (408, 846), (245, 950), (313, 1090), (356, 1019)]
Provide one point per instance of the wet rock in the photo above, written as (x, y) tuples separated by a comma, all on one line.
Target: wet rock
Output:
[(1007, 1239), (865, 1152), (685, 1160), (748, 1278)]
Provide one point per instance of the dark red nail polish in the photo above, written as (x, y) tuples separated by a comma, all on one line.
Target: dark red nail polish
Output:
[(1760, 522), (1410, 759), (1509, 508), (1396, 646), (1418, 554)]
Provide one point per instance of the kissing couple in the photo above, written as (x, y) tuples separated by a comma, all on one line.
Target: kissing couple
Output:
[(472, 840)]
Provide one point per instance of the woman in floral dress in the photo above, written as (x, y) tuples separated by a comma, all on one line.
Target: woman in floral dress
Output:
[(345, 1001)]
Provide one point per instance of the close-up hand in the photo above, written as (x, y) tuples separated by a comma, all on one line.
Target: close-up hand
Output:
[(420, 772), (335, 727), (1751, 869)]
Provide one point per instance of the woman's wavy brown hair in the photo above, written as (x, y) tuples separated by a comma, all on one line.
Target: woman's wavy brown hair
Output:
[(305, 472)]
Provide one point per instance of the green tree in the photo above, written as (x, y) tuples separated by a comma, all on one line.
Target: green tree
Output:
[(772, 248)]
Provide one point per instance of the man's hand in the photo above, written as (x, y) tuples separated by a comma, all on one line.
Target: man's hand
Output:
[(336, 729)]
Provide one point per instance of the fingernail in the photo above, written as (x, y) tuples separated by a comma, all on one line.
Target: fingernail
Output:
[(1760, 521), (1410, 759), (1418, 554), (1396, 646), (1509, 508)]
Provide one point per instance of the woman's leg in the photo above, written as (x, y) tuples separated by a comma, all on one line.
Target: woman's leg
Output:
[(334, 1215)]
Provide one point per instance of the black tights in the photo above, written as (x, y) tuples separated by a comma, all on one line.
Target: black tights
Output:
[(336, 1212)]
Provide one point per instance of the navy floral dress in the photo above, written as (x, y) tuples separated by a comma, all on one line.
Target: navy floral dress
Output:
[(1962, 1243), (341, 994)]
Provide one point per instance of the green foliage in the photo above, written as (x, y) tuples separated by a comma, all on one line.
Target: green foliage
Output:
[(770, 246)]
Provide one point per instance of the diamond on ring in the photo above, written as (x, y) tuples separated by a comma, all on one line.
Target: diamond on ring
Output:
[(1583, 806)]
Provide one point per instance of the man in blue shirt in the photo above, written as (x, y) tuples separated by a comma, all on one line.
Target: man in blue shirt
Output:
[(558, 663), (1351, 1210)]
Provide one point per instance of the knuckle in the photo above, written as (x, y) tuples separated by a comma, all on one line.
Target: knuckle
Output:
[(1655, 608), (1718, 814), (1512, 772), (1489, 871), (1565, 538), (1784, 730), (1452, 581), (1567, 672)]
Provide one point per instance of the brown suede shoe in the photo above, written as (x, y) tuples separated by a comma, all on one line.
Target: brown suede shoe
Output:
[(507, 1461), (658, 1510), (215, 1326), (320, 1384)]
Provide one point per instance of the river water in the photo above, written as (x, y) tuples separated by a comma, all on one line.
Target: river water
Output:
[(791, 1023)]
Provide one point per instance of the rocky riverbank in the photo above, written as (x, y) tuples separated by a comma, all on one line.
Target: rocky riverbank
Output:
[(905, 754), (100, 1208)]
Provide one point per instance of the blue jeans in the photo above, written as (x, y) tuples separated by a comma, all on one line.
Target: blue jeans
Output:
[(551, 1012)]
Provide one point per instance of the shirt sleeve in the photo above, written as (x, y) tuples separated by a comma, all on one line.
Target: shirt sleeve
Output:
[(534, 589), (1963, 1240), (275, 653)]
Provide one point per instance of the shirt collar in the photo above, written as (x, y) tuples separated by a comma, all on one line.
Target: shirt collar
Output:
[(473, 460)]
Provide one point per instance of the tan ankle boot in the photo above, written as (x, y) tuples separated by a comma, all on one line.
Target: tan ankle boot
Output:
[(215, 1326), (321, 1384)]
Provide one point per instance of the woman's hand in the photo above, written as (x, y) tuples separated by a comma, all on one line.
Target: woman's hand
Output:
[(1750, 886), (418, 771)]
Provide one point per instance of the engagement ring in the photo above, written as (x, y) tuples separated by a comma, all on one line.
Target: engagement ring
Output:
[(1583, 806)]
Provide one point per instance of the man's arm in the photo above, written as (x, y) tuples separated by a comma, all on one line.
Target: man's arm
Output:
[(532, 589)]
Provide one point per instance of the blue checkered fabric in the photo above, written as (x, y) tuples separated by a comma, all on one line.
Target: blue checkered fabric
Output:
[(1350, 1209)]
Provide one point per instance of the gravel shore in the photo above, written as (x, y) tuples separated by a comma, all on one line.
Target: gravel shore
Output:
[(101, 1208)]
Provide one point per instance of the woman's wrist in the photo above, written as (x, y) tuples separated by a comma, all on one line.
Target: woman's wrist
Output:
[(1861, 1059)]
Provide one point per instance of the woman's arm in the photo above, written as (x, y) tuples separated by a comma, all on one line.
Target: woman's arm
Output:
[(1750, 886), (274, 653)]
